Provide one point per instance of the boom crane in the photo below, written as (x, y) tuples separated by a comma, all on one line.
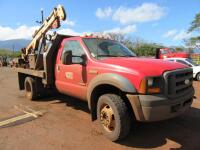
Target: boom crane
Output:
[(52, 22)]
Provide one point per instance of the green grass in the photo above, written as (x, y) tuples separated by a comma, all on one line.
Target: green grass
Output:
[(9, 53)]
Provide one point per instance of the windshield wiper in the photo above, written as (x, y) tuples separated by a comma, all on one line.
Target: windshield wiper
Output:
[(128, 56)]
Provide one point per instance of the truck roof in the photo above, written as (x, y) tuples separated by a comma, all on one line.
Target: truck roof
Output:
[(87, 36)]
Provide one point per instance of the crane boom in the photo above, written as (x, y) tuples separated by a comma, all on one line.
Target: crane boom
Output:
[(53, 21)]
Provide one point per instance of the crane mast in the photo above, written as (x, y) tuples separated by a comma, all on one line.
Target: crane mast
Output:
[(39, 37), (52, 22)]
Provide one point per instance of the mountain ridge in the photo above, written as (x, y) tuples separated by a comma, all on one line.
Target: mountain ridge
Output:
[(14, 44)]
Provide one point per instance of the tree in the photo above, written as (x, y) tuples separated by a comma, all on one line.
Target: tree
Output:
[(9, 53), (195, 24), (136, 44), (192, 42), (146, 49), (117, 37)]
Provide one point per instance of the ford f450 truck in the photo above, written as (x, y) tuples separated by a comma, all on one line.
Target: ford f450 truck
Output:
[(117, 85)]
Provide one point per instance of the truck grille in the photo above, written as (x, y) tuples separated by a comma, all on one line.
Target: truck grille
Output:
[(178, 82)]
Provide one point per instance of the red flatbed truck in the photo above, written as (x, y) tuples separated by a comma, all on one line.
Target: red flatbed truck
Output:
[(165, 52), (115, 83)]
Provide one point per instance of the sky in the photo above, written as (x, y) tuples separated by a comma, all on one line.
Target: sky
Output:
[(158, 21)]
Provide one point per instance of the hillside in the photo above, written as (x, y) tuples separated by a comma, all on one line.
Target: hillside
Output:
[(15, 44)]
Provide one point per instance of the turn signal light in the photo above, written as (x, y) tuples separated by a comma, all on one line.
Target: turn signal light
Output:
[(146, 87), (154, 90), (142, 88)]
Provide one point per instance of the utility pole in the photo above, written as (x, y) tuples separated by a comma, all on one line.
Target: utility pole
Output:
[(13, 48)]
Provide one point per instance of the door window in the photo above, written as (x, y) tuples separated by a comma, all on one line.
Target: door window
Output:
[(76, 49)]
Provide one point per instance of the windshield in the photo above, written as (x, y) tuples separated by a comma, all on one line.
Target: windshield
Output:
[(190, 61), (101, 48)]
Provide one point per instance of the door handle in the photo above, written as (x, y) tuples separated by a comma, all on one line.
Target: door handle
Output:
[(58, 68)]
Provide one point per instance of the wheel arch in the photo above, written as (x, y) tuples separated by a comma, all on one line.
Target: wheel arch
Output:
[(107, 83)]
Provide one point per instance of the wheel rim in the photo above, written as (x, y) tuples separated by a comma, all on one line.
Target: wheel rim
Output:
[(107, 118), (28, 89)]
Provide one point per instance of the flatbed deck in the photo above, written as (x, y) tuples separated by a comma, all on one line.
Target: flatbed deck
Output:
[(36, 73)]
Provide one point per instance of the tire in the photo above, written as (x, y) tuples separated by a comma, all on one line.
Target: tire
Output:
[(30, 88), (198, 76), (119, 126)]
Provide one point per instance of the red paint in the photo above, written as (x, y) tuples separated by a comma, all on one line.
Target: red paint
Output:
[(134, 69), (168, 53)]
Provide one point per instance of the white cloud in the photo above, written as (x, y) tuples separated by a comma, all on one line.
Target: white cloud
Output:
[(177, 35), (170, 33), (125, 30), (68, 31), (21, 32), (128, 15), (26, 32), (144, 13), (182, 35), (68, 22), (104, 13)]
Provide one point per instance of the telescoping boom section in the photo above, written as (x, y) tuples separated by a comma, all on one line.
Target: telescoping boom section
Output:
[(52, 22)]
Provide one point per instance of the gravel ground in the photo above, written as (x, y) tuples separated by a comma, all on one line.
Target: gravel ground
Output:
[(67, 125)]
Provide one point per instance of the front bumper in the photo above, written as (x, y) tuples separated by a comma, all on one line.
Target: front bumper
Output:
[(157, 107)]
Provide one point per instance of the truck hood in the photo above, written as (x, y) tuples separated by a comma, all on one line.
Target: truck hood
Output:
[(145, 66)]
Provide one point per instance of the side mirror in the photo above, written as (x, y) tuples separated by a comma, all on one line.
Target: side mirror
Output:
[(157, 53), (67, 58), (79, 59)]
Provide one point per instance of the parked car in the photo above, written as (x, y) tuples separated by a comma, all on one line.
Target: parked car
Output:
[(190, 63), (3, 61)]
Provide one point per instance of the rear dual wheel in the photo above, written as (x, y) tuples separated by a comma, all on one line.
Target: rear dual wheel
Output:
[(113, 117), (30, 88)]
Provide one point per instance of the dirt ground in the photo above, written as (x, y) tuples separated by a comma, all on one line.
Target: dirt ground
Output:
[(67, 125)]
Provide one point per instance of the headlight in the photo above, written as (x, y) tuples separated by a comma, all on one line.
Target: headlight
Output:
[(150, 85), (150, 82)]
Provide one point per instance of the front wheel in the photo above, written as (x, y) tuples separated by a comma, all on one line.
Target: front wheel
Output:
[(113, 117)]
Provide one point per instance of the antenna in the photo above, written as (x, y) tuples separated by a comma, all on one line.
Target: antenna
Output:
[(42, 16)]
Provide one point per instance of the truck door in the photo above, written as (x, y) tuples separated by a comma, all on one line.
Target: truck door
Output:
[(71, 79)]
